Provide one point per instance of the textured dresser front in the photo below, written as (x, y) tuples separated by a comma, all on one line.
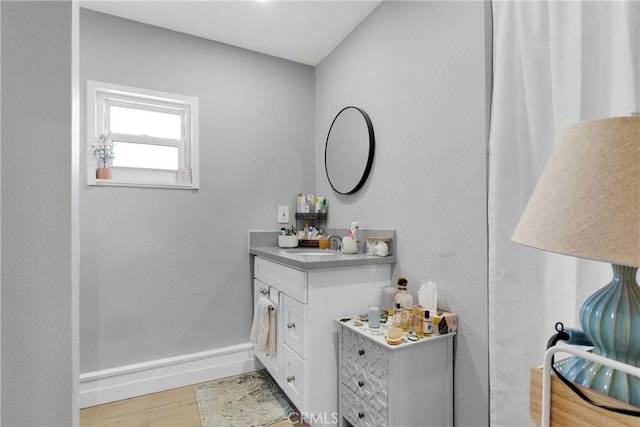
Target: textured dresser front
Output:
[(363, 374)]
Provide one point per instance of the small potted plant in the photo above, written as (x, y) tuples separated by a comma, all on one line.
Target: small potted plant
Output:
[(103, 150)]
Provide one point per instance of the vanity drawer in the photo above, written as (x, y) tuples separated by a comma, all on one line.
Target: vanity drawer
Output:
[(288, 280), (295, 377), (358, 412), (294, 326), (364, 353)]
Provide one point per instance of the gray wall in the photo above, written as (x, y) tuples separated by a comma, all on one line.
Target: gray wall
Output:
[(418, 69), (166, 272), (38, 373)]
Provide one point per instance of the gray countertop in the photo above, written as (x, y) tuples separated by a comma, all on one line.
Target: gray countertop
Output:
[(310, 258), (265, 244)]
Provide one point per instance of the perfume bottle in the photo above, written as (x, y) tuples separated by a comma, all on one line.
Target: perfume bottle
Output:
[(397, 316), (427, 324), (417, 322)]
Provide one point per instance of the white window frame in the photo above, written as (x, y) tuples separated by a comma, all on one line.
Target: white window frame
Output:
[(101, 95)]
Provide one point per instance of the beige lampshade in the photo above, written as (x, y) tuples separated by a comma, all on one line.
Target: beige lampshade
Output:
[(587, 202)]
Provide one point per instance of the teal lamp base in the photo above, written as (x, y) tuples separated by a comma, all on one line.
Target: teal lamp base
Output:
[(611, 319)]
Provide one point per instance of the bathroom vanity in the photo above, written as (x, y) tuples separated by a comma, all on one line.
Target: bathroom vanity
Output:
[(308, 292)]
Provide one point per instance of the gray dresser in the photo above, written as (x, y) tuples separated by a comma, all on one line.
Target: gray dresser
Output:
[(409, 385)]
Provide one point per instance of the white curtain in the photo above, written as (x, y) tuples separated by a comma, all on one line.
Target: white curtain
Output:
[(555, 63)]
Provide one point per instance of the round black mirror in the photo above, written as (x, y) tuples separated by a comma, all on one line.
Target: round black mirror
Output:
[(348, 153)]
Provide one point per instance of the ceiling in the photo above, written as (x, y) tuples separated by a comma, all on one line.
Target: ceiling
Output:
[(297, 30)]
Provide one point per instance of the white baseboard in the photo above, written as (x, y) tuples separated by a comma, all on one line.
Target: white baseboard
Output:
[(124, 382)]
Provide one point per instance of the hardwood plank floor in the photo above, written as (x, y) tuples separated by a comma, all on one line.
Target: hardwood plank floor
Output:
[(172, 408)]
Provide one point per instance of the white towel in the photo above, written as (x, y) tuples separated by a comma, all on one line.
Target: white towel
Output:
[(263, 329)]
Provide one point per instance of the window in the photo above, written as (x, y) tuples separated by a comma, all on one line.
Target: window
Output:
[(154, 136)]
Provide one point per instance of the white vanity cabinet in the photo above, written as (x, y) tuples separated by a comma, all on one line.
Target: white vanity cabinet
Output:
[(410, 384), (305, 363)]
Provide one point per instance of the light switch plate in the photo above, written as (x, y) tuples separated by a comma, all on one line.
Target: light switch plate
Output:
[(283, 214)]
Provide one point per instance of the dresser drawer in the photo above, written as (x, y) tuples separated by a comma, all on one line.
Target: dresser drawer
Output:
[(365, 353), (372, 389), (294, 326), (288, 280), (358, 412)]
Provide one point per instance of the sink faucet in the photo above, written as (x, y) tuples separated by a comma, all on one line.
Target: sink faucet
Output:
[(338, 240)]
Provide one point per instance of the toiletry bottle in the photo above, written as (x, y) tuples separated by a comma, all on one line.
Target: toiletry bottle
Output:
[(415, 322), (406, 301), (374, 317), (417, 318), (397, 316), (427, 324), (309, 204), (402, 292), (299, 203)]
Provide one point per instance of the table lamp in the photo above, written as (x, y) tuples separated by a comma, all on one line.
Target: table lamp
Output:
[(587, 204)]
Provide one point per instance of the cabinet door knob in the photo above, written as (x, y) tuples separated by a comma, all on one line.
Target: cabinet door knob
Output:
[(291, 378), (361, 352), (264, 291), (291, 325), (360, 384), (360, 414)]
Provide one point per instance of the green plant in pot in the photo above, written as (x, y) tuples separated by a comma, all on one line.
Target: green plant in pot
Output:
[(103, 150)]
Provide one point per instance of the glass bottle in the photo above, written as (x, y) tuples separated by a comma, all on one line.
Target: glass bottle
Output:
[(388, 300), (418, 315), (402, 296), (405, 299), (397, 316), (427, 324)]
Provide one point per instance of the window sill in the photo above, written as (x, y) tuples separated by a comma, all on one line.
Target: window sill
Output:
[(149, 184)]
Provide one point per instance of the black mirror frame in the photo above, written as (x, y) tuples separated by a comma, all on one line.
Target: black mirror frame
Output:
[(372, 147)]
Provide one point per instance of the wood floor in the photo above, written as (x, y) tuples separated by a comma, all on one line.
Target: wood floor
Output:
[(173, 408)]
